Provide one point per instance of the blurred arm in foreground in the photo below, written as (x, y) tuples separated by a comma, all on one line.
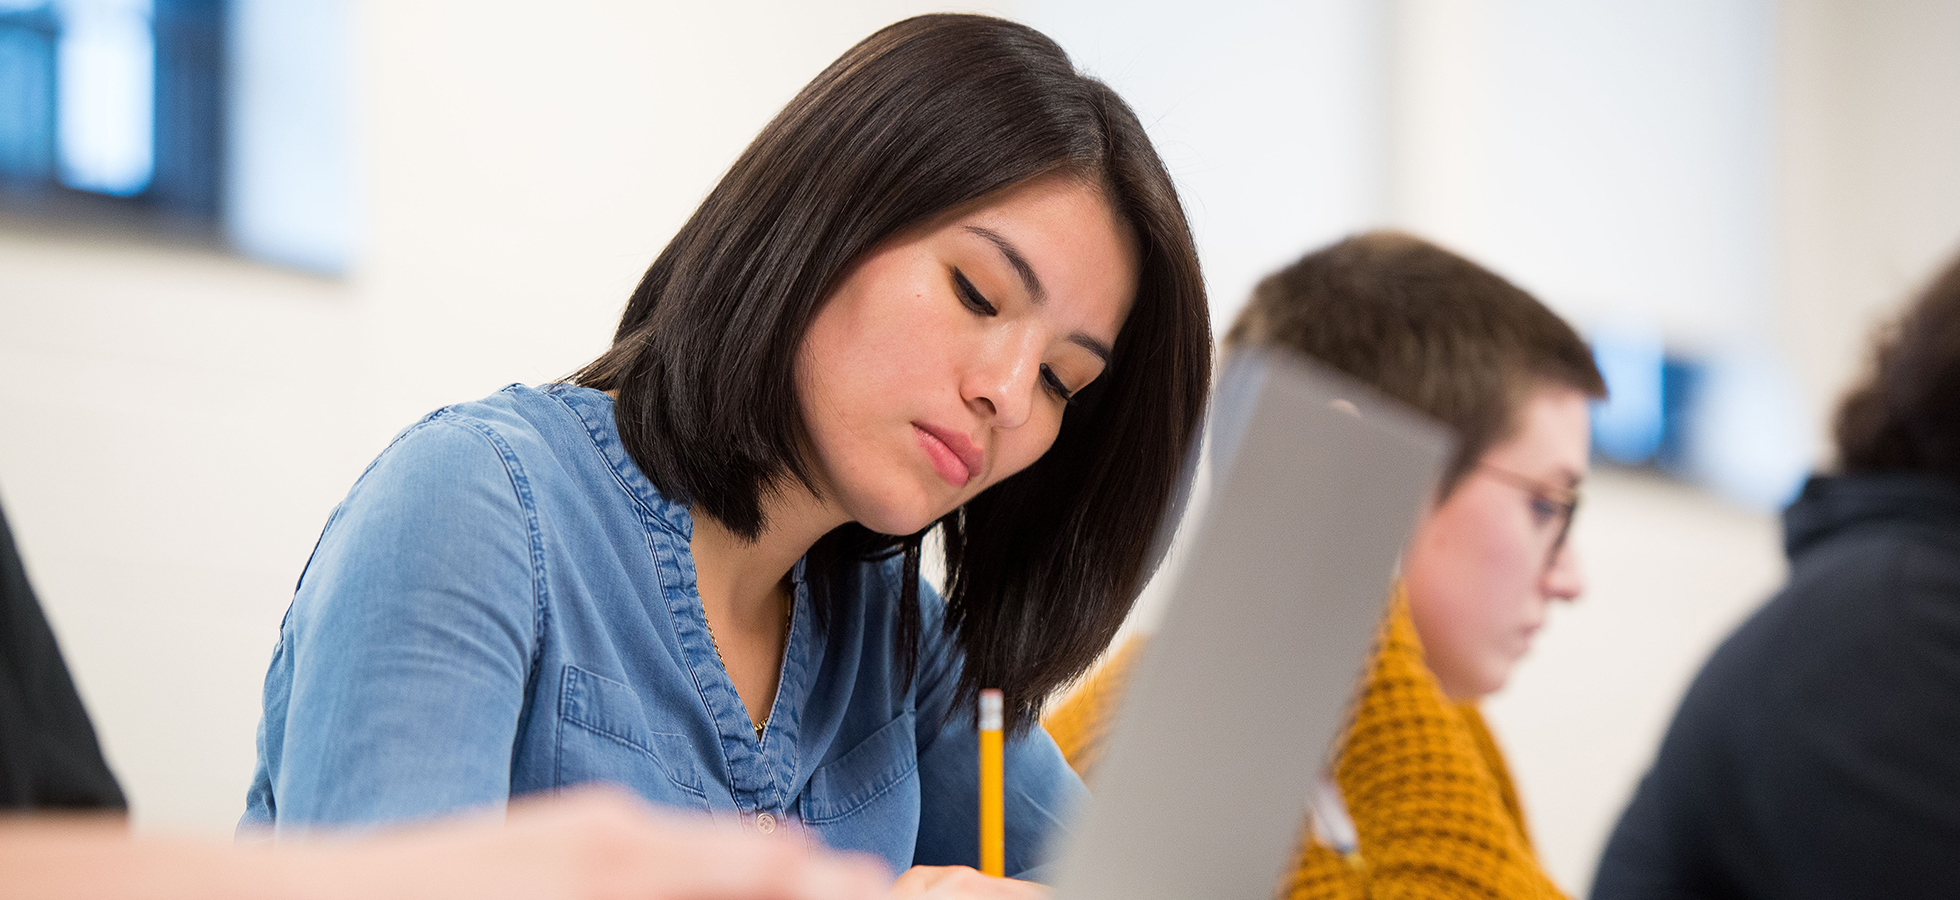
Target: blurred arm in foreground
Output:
[(590, 843), (62, 834)]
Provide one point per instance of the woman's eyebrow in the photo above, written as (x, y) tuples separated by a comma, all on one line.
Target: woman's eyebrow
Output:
[(1090, 343), (1035, 291), (1014, 258)]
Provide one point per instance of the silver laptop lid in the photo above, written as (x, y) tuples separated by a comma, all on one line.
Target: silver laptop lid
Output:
[(1202, 791)]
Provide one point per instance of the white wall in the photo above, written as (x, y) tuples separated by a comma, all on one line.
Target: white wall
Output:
[(179, 422), (175, 426), (1608, 157), (1869, 188), (1272, 117)]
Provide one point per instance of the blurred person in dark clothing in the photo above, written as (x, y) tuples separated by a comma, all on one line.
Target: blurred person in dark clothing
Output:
[(48, 755), (1818, 752)]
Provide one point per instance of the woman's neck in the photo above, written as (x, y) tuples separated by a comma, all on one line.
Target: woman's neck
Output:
[(740, 580), (746, 596)]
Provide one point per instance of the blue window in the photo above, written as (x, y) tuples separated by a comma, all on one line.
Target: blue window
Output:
[(119, 99)]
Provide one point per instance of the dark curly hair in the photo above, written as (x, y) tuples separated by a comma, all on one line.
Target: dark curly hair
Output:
[(1905, 416)]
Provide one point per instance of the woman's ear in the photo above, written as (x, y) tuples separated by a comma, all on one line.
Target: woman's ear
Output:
[(1420, 534), (1438, 495)]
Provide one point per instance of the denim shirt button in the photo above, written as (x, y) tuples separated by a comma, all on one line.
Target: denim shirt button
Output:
[(765, 823)]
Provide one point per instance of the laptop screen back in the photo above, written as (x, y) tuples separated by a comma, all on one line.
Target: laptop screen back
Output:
[(1242, 691)]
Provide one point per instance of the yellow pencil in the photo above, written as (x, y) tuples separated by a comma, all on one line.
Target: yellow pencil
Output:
[(993, 819)]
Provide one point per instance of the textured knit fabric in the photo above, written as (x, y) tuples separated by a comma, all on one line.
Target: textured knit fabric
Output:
[(1425, 784), (1080, 725), (1815, 754)]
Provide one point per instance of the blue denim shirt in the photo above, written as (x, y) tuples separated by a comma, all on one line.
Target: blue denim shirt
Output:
[(504, 604)]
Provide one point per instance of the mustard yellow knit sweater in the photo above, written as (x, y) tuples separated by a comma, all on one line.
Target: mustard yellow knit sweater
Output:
[(1428, 791)]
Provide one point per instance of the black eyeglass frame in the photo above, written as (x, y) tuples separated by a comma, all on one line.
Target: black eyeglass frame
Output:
[(1565, 500)]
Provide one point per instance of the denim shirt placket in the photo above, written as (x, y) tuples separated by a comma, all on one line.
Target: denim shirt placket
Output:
[(759, 773)]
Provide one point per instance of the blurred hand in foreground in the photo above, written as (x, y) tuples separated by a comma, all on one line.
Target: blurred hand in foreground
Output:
[(589, 844), (962, 883)]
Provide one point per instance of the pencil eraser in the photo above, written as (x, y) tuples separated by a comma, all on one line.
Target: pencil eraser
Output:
[(990, 709)]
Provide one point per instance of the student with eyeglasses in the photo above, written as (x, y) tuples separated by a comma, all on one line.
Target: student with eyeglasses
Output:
[(1419, 802)]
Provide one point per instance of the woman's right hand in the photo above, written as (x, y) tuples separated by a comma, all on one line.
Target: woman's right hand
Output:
[(961, 883)]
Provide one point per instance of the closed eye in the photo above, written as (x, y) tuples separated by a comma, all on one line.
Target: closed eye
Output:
[(1055, 386), (1544, 509), (970, 295)]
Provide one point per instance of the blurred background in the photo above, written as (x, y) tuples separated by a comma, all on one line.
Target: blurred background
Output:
[(242, 243)]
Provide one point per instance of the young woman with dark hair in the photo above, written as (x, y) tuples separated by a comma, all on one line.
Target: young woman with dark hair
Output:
[(951, 286)]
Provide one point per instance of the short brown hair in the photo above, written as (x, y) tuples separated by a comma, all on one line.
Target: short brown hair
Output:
[(1425, 326), (1906, 415)]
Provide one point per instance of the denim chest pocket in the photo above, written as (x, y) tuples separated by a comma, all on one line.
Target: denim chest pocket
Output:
[(603, 736), (868, 799)]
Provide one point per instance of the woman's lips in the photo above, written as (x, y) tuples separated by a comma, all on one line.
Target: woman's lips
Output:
[(953, 456)]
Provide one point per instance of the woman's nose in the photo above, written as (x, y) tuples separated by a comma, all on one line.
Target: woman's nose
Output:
[(1003, 380), (1564, 579)]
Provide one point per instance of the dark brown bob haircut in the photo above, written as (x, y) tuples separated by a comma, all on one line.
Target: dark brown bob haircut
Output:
[(922, 117), (1906, 414), (1423, 325)]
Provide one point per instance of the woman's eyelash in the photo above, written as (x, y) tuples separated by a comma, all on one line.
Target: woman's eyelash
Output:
[(970, 295), (1055, 385), (1542, 509)]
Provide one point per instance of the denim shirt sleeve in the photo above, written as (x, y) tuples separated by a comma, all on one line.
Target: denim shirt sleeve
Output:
[(411, 636), (1042, 792)]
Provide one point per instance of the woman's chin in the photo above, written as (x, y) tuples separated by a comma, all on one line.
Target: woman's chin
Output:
[(908, 519), (1470, 682)]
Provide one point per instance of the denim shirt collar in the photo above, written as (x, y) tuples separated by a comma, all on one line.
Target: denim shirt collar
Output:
[(595, 409)]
